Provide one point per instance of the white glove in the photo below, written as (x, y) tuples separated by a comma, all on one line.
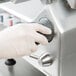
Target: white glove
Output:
[(19, 40)]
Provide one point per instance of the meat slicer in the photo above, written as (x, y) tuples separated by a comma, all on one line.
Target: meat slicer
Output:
[(58, 58)]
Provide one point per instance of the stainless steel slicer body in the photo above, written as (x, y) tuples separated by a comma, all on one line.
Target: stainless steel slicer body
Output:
[(63, 45)]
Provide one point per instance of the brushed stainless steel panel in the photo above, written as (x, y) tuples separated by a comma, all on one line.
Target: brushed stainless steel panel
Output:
[(21, 68)]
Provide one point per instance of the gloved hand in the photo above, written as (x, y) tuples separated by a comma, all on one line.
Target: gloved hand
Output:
[(19, 40)]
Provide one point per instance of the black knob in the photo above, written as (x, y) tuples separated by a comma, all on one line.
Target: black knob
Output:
[(10, 62), (46, 22)]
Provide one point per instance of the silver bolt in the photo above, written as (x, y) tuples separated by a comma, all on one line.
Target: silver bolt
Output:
[(46, 59)]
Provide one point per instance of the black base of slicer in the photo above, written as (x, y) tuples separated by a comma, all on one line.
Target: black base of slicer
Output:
[(20, 68)]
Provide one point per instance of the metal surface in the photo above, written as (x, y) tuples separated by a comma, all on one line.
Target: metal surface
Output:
[(72, 3), (21, 68), (19, 1), (1, 1), (65, 19), (47, 1)]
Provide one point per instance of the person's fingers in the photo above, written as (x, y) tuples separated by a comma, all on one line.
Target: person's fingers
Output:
[(34, 48), (40, 39), (42, 29)]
